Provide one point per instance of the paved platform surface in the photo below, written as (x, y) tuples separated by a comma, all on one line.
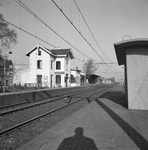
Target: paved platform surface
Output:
[(103, 124)]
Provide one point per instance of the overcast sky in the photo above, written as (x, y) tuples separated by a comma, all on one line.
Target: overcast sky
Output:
[(109, 21)]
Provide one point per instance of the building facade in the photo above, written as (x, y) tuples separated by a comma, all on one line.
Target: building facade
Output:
[(6, 72), (75, 77), (50, 68), (62, 67)]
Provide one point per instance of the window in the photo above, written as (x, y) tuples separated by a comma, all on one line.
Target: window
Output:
[(73, 79), (66, 64), (51, 64), (39, 53), (58, 79), (51, 76), (58, 65), (39, 64)]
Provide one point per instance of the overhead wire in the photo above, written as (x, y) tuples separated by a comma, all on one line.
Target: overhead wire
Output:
[(75, 27), (28, 33), (38, 18), (90, 30), (34, 35), (79, 32)]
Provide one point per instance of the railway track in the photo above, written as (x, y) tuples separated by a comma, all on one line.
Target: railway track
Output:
[(21, 106), (87, 97), (11, 136), (35, 100)]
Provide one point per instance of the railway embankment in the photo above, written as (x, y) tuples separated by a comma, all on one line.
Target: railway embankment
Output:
[(23, 96), (21, 125)]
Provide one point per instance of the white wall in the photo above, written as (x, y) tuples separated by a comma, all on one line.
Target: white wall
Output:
[(76, 75), (46, 68), (33, 67), (45, 71)]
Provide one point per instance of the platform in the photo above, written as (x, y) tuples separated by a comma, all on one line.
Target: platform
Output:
[(100, 125)]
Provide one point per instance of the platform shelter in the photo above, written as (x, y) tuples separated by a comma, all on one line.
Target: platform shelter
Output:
[(133, 54)]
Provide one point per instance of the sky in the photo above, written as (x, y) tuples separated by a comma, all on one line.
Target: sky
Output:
[(108, 20)]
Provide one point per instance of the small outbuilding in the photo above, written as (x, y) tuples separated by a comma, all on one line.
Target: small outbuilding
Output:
[(92, 78), (133, 54)]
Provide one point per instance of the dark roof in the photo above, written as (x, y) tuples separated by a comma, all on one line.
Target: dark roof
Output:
[(120, 48), (59, 52), (54, 52), (76, 70), (93, 75)]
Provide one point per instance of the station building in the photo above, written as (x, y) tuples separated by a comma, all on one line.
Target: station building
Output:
[(50, 67)]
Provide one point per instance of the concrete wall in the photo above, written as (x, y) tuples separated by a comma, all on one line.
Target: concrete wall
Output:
[(137, 77), (17, 97)]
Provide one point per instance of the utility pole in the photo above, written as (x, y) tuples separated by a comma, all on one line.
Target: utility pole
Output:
[(4, 86)]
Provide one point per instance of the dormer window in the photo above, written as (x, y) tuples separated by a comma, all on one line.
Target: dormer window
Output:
[(39, 52), (58, 65)]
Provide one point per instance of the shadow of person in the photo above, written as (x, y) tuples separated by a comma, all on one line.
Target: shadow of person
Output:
[(77, 142)]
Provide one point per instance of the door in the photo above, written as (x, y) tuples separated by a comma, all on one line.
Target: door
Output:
[(51, 81), (39, 80)]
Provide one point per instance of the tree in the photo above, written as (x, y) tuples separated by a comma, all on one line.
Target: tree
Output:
[(21, 73), (90, 67), (7, 36)]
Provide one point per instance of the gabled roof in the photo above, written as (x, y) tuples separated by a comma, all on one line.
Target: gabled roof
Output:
[(37, 47), (54, 52), (93, 75), (62, 52)]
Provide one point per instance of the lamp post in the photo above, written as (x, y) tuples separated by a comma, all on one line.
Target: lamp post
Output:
[(4, 86)]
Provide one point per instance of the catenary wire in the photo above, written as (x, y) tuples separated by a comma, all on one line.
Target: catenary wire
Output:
[(90, 30), (37, 17), (79, 32)]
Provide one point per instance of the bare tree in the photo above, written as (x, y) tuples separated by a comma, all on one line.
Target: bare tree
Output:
[(90, 67), (20, 73), (7, 36)]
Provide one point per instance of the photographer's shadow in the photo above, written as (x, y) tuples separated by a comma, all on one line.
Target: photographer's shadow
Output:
[(77, 142)]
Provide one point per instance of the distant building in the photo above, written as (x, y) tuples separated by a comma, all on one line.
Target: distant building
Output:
[(6, 72), (75, 77), (50, 68), (92, 78), (108, 80)]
